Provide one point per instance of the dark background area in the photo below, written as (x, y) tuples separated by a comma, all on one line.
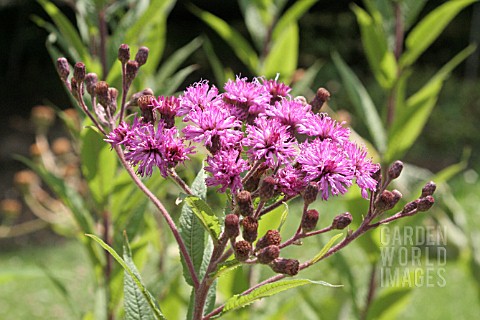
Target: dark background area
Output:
[(28, 77)]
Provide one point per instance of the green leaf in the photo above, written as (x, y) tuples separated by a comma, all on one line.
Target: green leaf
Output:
[(136, 306), (191, 229), (428, 30), (205, 215), (176, 59), (258, 16), (225, 267), (76, 46), (283, 56), (375, 43), (270, 289), (363, 103), (291, 16), (138, 282), (390, 303), (234, 39), (325, 248), (283, 217), (99, 165), (217, 66), (408, 126)]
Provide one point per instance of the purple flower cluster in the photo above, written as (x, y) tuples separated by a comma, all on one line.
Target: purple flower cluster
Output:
[(251, 125)]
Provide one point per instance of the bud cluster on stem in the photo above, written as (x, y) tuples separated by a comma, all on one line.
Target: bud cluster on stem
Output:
[(263, 146)]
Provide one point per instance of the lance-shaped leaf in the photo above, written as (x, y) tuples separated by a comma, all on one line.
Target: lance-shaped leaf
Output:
[(409, 125), (136, 306), (428, 30), (191, 229), (234, 39), (270, 289), (157, 313), (362, 102), (206, 216), (325, 249)]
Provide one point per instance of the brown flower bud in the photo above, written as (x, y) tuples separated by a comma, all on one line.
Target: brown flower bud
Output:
[(124, 53), (10, 207), (428, 189), (309, 220), (267, 188), (319, 99), (43, 117), (310, 193), (131, 70), (112, 96), (79, 72), (63, 68), (242, 250), (387, 200), (101, 91), (24, 179), (232, 228), (342, 221), (250, 229), (424, 204), (395, 170), (285, 266), (268, 254), (146, 106), (409, 207), (91, 80), (61, 146), (141, 56), (244, 203), (377, 176), (272, 237)]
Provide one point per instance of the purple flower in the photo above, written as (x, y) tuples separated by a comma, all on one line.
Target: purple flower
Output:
[(324, 127), (290, 181), (226, 167), (197, 97), (268, 139), (147, 148), (290, 113), (167, 107), (277, 90), (363, 167), (213, 124), (247, 99), (326, 162)]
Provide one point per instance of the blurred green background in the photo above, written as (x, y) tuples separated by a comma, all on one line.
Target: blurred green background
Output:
[(28, 78)]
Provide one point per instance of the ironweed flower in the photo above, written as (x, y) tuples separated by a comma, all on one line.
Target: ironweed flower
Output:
[(197, 97), (226, 167)]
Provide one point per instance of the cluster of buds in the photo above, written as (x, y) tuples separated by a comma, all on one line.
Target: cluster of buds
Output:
[(263, 147)]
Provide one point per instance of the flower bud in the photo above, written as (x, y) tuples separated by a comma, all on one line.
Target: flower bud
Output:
[(424, 204), (387, 200), (267, 188), (232, 228), (131, 71), (63, 68), (377, 176), (91, 80), (342, 221), (310, 193), (409, 207), (141, 56), (253, 182), (285, 266), (101, 91), (24, 179), (146, 106), (61, 146), (79, 72), (395, 170), (11, 208), (124, 53), (244, 203), (242, 250), (320, 98), (309, 220), (268, 254), (112, 96), (428, 189), (42, 117), (250, 229), (272, 237)]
